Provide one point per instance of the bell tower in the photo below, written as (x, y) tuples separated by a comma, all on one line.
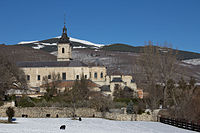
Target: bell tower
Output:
[(64, 47)]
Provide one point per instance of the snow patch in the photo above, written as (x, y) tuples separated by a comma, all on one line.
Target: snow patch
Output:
[(192, 61), (25, 42), (48, 44), (38, 47), (54, 53), (70, 38), (83, 41), (78, 47)]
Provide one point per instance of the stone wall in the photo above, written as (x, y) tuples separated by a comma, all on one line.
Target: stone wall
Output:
[(41, 112)]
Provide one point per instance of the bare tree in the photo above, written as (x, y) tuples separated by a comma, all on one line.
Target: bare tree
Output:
[(185, 98), (167, 68), (100, 102), (10, 75), (79, 92), (157, 66), (51, 85)]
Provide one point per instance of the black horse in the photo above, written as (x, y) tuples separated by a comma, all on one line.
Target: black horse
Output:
[(62, 127)]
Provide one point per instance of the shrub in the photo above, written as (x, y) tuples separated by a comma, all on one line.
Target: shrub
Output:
[(140, 111), (1, 103), (126, 100), (25, 102), (119, 105), (10, 113), (129, 108)]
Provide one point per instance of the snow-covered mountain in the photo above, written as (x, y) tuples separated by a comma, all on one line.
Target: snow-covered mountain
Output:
[(44, 44), (50, 45)]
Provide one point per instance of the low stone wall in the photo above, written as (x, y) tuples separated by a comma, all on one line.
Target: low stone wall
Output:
[(41, 112), (129, 117)]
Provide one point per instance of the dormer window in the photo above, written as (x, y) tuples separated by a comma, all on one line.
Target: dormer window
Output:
[(63, 50)]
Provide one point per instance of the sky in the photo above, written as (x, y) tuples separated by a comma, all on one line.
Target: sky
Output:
[(103, 21)]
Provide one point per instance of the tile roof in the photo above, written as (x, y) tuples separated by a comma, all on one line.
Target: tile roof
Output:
[(105, 88), (72, 63), (117, 80)]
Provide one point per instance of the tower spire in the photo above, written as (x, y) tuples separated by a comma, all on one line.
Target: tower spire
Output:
[(64, 28), (64, 38), (64, 18)]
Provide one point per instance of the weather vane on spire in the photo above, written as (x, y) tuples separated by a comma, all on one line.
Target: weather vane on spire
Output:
[(64, 29), (64, 18)]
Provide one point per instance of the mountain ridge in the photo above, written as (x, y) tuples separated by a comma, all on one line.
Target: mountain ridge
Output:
[(50, 45)]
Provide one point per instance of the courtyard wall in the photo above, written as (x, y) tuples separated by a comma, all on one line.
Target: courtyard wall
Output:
[(41, 112)]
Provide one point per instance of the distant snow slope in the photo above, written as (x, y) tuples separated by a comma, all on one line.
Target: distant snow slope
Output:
[(85, 42), (26, 42), (39, 44), (192, 61), (87, 125)]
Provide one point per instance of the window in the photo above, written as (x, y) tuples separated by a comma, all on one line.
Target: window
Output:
[(64, 76), (49, 76), (77, 76), (63, 50), (95, 75), (90, 75), (101, 74), (28, 77), (85, 76), (38, 77)]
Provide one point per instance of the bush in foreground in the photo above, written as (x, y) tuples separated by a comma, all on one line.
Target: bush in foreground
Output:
[(10, 113)]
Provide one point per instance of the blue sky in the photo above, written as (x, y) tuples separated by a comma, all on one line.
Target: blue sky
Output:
[(103, 21)]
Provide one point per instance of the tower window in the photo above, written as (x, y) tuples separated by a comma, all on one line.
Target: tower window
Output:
[(28, 77), (64, 76), (77, 76), (101, 74), (63, 50), (49, 76), (38, 77), (95, 75)]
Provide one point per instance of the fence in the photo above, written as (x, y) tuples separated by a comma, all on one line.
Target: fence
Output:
[(181, 124)]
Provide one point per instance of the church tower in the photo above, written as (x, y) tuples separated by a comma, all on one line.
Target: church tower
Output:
[(64, 47)]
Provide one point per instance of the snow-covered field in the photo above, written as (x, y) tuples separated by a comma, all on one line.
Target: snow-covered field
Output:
[(87, 125)]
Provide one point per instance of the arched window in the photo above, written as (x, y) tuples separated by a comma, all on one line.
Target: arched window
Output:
[(95, 75), (101, 74), (63, 50)]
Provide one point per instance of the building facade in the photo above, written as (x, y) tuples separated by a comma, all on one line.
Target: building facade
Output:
[(70, 70)]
